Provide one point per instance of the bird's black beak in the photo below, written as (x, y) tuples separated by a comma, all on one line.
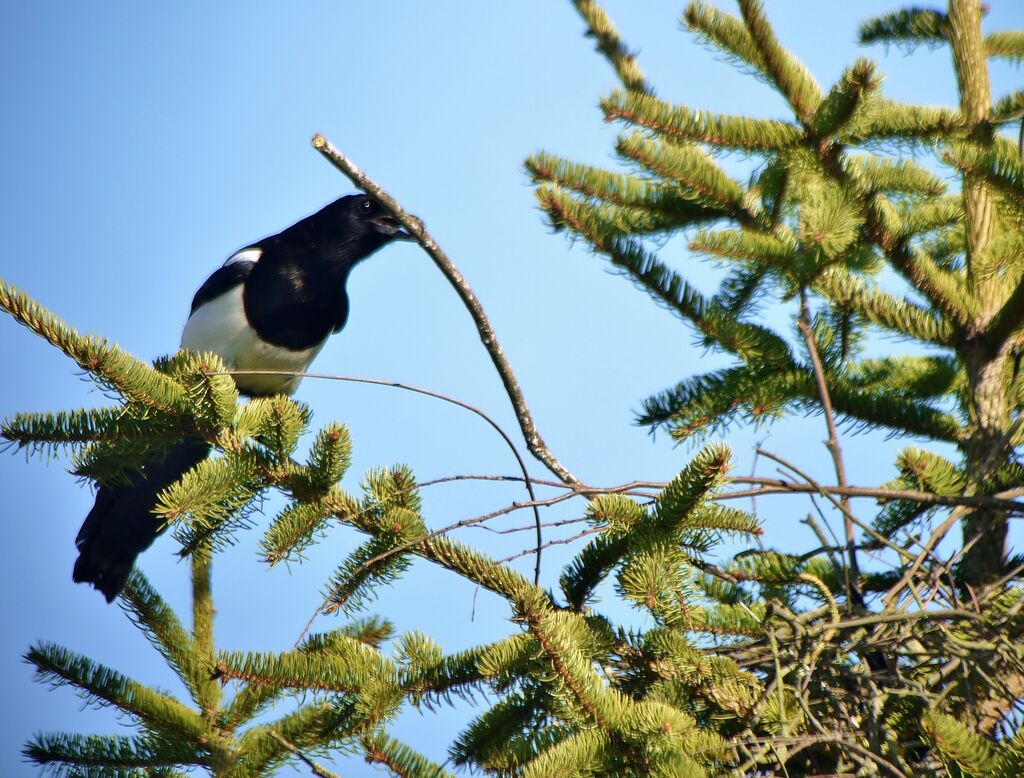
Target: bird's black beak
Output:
[(388, 225)]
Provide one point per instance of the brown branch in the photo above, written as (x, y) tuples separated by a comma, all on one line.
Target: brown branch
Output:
[(422, 541), (811, 482), (556, 542), (888, 617), (438, 396), (316, 768), (854, 594), (800, 743), (768, 486), (890, 597), (534, 442), (776, 486)]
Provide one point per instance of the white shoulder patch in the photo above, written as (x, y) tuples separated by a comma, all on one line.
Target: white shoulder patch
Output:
[(245, 255)]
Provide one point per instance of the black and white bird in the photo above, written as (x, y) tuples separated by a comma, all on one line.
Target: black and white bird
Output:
[(271, 306)]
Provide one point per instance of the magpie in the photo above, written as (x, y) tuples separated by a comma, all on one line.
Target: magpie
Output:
[(271, 306)]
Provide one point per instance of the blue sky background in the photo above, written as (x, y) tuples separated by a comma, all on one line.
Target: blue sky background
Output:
[(144, 143)]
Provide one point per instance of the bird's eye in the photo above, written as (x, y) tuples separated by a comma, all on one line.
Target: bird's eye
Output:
[(366, 205)]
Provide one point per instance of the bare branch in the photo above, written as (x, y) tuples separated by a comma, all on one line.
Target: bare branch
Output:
[(534, 442), (315, 768), (1000, 501), (437, 395), (855, 595)]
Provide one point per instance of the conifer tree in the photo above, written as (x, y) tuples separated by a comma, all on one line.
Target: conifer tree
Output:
[(774, 662), (835, 206), (558, 712), (823, 214)]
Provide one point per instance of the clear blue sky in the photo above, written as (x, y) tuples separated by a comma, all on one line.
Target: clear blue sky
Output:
[(143, 143)]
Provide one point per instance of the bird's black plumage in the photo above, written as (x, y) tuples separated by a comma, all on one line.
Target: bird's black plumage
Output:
[(122, 524), (270, 307), (224, 279)]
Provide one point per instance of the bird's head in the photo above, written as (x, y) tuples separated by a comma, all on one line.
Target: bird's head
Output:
[(342, 233), (365, 215)]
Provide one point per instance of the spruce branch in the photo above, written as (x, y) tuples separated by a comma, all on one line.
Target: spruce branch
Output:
[(602, 29), (895, 314), (912, 263), (905, 124), (157, 710), (54, 431), (694, 169), (725, 32), (789, 75), (111, 365), (999, 164), (750, 341), (894, 176), (330, 723), (1009, 108), (401, 760), (844, 100), (676, 122), (909, 27), (345, 668), (160, 623), (65, 754), (1006, 44), (628, 205), (535, 443), (355, 573)]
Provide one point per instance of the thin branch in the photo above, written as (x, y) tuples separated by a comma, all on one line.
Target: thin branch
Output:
[(316, 768), (416, 228), (526, 527), (811, 482), (436, 395), (777, 485), (937, 535), (556, 542), (798, 743), (854, 594), (889, 617), (411, 545), (768, 486)]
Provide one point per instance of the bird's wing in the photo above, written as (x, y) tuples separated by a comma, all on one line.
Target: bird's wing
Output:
[(224, 279)]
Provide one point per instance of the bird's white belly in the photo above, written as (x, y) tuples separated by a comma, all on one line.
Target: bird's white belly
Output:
[(220, 326)]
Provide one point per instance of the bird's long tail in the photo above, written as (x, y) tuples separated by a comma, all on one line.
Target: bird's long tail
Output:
[(121, 524)]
